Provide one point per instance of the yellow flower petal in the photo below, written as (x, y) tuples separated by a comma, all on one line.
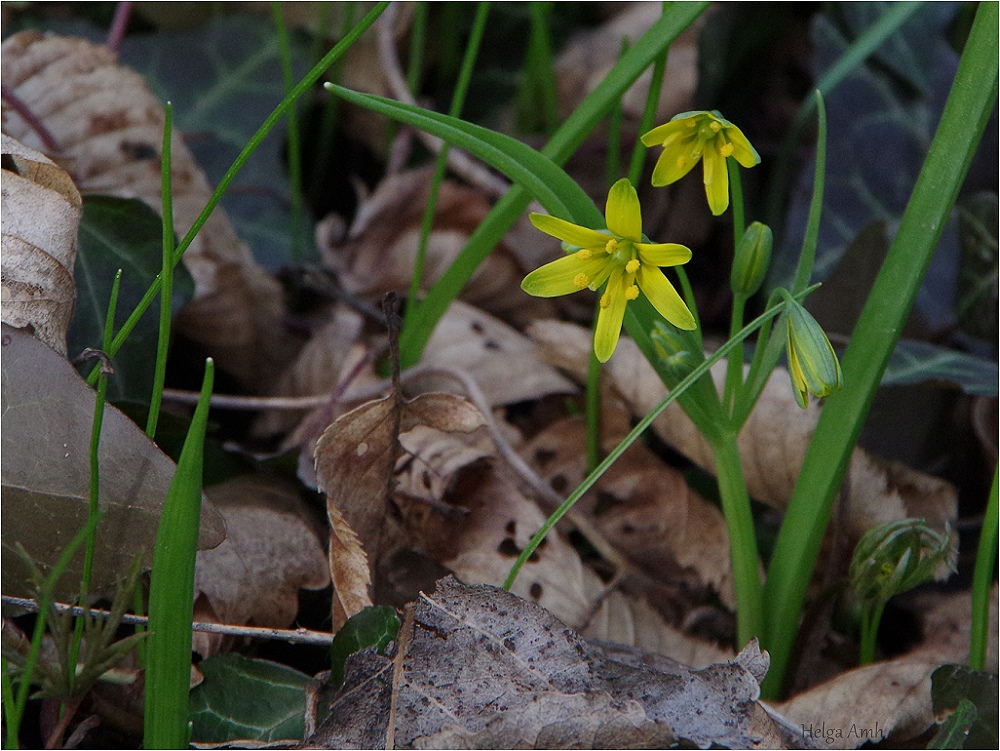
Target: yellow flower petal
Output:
[(660, 134), (675, 162), (743, 152), (561, 277), (610, 317), (661, 293), (663, 254), (574, 234), (622, 213), (716, 180)]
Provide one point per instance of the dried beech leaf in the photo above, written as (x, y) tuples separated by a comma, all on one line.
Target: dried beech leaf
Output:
[(503, 362), (477, 667), (378, 252), (772, 444), (355, 465), (39, 217), (272, 549), (897, 692), (48, 414), (109, 127)]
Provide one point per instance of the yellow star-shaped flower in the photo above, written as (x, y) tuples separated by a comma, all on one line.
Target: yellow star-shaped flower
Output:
[(691, 136), (619, 256)]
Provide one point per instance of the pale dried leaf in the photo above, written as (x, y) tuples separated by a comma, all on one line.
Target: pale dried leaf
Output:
[(349, 570), (477, 667), (502, 361), (772, 444), (355, 465), (378, 253), (109, 128), (272, 549), (897, 692), (40, 217), (48, 414)]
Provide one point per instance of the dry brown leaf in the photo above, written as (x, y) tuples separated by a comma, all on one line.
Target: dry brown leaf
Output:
[(272, 549), (772, 444), (897, 692), (355, 464), (588, 57), (477, 667), (640, 505), (109, 128), (376, 255), (40, 218)]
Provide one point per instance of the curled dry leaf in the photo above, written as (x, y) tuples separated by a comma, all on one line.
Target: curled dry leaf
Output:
[(477, 667), (272, 549), (897, 692), (376, 255), (109, 128), (40, 217), (772, 444), (48, 415), (355, 466)]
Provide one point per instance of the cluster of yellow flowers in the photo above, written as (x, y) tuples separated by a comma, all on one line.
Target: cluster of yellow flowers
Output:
[(623, 257)]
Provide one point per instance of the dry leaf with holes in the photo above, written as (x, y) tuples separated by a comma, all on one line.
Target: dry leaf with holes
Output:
[(377, 253), (897, 692), (109, 130), (477, 667), (272, 550), (772, 444), (40, 217), (356, 460)]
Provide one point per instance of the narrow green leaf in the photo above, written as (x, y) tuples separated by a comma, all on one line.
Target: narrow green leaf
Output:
[(171, 591)]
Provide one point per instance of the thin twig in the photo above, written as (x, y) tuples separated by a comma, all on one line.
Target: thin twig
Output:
[(459, 162), (299, 635), (119, 25)]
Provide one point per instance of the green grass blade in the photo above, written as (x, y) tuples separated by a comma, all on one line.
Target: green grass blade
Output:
[(982, 580), (971, 101), (171, 593)]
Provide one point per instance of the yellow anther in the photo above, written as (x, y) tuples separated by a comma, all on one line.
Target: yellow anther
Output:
[(632, 292), (726, 149), (580, 281), (631, 267), (584, 254), (715, 125), (605, 300), (611, 246)]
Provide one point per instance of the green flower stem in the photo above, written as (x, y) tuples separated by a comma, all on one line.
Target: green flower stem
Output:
[(871, 617), (734, 367), (742, 538), (970, 103), (649, 112), (94, 506), (982, 580), (166, 276), (273, 119), (647, 347), (807, 258), (441, 165), (559, 148), (171, 590)]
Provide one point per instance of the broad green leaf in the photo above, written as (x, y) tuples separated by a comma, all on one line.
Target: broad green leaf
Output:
[(544, 179), (918, 362), (951, 684), (224, 78), (119, 233), (372, 627), (48, 413), (246, 699)]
